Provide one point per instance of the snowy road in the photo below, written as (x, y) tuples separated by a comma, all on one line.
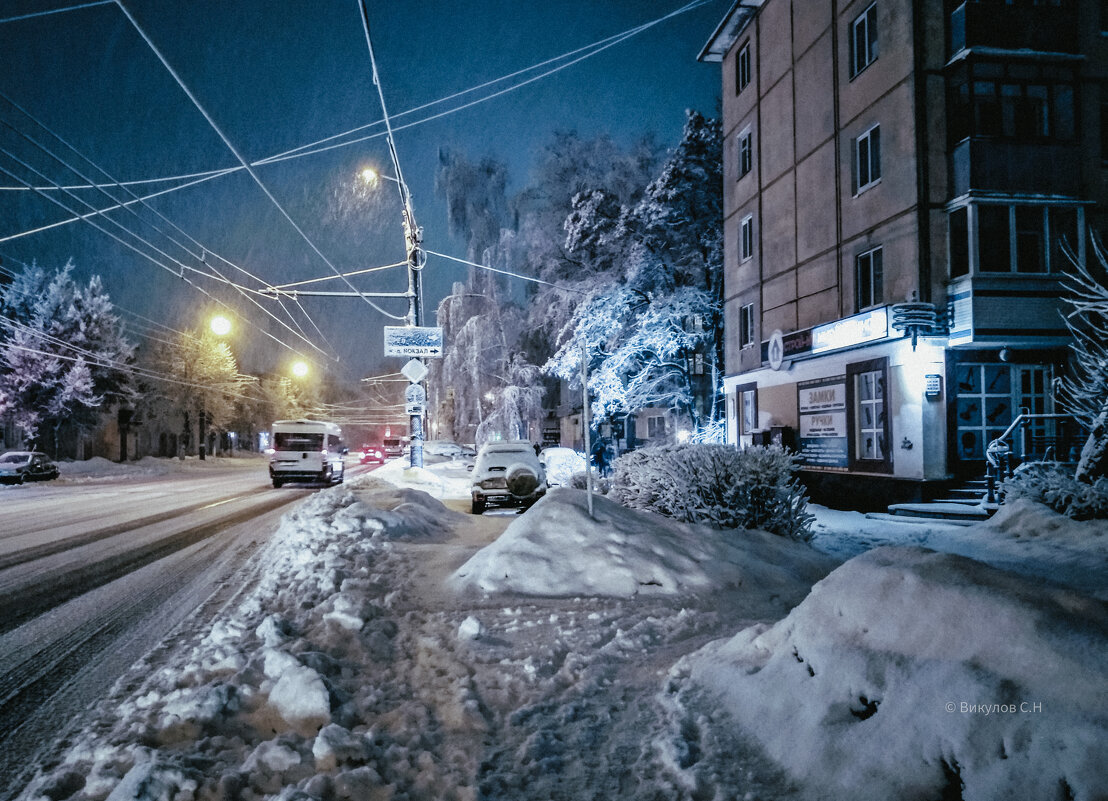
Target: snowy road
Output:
[(94, 575)]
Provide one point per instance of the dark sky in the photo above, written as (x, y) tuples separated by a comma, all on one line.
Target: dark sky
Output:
[(275, 76)]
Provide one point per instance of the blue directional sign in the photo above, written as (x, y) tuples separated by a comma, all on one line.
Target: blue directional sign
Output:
[(413, 340)]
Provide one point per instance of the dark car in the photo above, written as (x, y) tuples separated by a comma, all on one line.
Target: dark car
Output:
[(19, 466), (372, 453)]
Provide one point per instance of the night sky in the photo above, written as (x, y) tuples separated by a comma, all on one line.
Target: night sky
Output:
[(274, 77)]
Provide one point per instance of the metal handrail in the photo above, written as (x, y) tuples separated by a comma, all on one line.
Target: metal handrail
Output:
[(998, 446)]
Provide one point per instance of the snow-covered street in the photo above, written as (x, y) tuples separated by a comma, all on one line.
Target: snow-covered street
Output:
[(384, 645)]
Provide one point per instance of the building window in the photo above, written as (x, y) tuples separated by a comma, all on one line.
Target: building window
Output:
[(746, 238), (868, 419), (867, 159), (742, 68), (868, 283), (1019, 102), (748, 407), (746, 326), (655, 427), (959, 242), (746, 152), (863, 40), (1026, 239)]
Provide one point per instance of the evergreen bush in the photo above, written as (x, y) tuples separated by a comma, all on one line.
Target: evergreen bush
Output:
[(1054, 485), (717, 485)]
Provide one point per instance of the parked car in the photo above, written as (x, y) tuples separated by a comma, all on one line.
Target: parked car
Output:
[(507, 473), (19, 466), (442, 447), (372, 453), (561, 464)]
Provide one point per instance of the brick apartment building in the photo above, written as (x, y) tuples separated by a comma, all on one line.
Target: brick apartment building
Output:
[(901, 151)]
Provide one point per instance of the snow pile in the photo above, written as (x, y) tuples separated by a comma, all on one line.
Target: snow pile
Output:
[(287, 687), (1023, 537), (442, 480), (556, 549), (910, 674)]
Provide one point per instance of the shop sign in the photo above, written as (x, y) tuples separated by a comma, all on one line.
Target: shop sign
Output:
[(822, 440), (860, 328)]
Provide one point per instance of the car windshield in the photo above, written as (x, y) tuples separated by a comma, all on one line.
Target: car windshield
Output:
[(297, 441), (15, 458), (505, 457)]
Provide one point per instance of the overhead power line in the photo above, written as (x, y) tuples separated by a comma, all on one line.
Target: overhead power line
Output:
[(245, 165)]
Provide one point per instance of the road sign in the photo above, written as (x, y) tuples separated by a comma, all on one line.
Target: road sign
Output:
[(413, 340), (413, 408), (414, 370), (415, 394)]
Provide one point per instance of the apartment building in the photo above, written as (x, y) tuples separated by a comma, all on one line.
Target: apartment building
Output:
[(903, 179)]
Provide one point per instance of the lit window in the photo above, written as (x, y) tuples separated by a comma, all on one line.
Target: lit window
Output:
[(869, 407), (863, 40), (746, 326), (867, 159), (742, 68), (746, 238), (868, 279), (748, 407), (746, 153)]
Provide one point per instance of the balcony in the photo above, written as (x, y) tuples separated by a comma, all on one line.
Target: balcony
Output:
[(1010, 167), (1007, 309), (1018, 26)]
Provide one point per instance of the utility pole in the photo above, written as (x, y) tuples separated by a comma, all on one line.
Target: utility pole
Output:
[(413, 243)]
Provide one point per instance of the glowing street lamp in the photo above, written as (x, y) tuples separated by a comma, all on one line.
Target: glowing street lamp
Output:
[(300, 369), (220, 325)]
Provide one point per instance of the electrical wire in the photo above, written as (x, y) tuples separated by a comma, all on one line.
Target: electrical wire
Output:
[(504, 272), (250, 170), (204, 250), (34, 14)]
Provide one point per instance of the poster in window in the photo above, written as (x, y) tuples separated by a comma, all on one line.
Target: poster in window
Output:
[(822, 440)]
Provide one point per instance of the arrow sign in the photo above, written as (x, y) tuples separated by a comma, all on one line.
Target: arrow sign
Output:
[(413, 340)]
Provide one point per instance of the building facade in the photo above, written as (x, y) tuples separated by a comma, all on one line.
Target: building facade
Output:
[(904, 184)]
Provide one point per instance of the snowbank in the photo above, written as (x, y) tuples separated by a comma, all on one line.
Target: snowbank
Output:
[(909, 674), (556, 549), (98, 468), (1023, 536)]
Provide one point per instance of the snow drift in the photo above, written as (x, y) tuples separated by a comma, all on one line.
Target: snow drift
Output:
[(556, 549), (908, 673)]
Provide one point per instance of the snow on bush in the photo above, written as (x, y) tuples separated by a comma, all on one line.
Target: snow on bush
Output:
[(915, 675), (557, 549), (1053, 484), (719, 485)]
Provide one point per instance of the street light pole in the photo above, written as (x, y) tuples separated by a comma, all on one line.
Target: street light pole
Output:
[(413, 239)]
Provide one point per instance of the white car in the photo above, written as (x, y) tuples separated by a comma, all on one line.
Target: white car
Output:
[(561, 464), (19, 466), (507, 473), (442, 447)]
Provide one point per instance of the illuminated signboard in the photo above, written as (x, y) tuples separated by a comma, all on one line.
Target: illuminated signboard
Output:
[(865, 327)]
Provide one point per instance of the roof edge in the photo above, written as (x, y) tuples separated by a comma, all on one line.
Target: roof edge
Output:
[(732, 26)]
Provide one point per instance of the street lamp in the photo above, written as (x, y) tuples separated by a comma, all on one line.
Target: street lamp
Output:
[(220, 325), (300, 369)]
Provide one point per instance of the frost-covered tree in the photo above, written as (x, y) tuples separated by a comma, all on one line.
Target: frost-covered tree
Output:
[(516, 403), (205, 384), (63, 355), (1086, 392), (650, 313)]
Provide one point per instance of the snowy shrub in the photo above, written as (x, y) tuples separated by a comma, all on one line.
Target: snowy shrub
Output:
[(719, 485), (1053, 484), (599, 484)]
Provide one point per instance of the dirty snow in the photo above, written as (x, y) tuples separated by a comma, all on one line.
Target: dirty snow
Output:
[(384, 646)]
